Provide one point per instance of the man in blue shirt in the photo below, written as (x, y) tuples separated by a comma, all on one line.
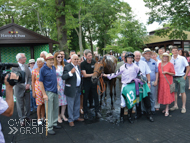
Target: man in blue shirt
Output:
[(153, 76), (48, 85)]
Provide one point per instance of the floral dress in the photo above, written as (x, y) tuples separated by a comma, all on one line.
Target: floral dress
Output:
[(38, 92), (62, 97)]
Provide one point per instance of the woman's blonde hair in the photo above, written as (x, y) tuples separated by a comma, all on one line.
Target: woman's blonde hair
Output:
[(55, 60)]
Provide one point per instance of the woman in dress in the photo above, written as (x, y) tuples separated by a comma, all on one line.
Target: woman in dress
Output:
[(186, 54), (59, 65), (37, 93), (157, 105), (164, 96)]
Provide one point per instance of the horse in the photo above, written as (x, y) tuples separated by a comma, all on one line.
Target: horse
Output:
[(106, 65)]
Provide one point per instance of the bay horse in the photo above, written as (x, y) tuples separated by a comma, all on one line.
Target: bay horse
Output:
[(106, 65)]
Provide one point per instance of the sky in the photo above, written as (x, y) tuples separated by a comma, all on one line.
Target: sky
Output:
[(139, 9)]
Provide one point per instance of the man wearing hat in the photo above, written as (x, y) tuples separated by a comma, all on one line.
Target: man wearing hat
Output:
[(32, 99), (48, 85), (153, 76)]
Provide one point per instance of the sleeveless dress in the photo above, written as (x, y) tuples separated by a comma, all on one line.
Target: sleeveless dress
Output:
[(164, 95), (38, 92), (62, 97)]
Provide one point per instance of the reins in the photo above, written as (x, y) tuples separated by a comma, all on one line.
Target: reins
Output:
[(102, 87)]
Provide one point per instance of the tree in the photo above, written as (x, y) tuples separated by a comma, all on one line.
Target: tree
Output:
[(175, 12)]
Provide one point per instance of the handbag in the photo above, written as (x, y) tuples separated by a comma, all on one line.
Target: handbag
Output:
[(172, 86)]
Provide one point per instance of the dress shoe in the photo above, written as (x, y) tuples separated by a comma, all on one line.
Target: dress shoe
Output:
[(86, 116), (130, 120), (98, 115), (71, 124), (80, 119), (27, 119), (57, 127), (150, 118), (51, 132), (122, 119), (22, 124), (153, 112)]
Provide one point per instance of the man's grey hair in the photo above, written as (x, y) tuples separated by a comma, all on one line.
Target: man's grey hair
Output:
[(40, 59), (73, 56), (87, 51), (19, 55), (137, 52), (44, 52)]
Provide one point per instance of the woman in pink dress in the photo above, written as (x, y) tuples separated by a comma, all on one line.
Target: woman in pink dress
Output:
[(59, 65), (37, 93), (165, 68)]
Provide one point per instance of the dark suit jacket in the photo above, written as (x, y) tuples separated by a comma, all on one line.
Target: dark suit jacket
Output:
[(19, 88), (70, 81)]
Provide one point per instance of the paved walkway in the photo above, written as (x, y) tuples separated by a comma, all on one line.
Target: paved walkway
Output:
[(175, 128)]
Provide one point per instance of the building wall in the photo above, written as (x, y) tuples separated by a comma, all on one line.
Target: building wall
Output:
[(39, 49), (8, 54)]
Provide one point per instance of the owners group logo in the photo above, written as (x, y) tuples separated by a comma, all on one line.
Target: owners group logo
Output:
[(29, 128)]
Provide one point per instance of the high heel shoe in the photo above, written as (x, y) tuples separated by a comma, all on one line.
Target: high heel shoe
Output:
[(64, 118), (59, 119), (166, 114), (81, 111)]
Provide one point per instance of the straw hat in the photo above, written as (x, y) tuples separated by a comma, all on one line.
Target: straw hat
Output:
[(165, 54), (49, 56), (147, 50), (31, 61)]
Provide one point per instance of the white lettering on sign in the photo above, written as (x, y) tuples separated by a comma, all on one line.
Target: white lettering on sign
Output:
[(10, 36)]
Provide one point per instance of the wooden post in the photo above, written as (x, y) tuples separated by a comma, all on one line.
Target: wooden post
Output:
[(50, 47), (32, 52)]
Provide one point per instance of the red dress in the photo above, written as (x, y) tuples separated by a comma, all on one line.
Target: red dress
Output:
[(164, 95)]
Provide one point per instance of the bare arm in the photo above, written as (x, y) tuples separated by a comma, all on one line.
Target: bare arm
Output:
[(43, 91), (9, 98), (187, 71), (85, 74), (33, 85)]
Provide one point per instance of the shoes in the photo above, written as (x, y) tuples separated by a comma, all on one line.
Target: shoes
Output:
[(80, 119), (183, 110), (130, 120), (57, 127), (174, 108), (39, 122), (166, 114), (71, 124), (27, 119), (51, 132), (98, 115), (22, 124), (86, 116), (59, 119), (150, 118), (153, 112), (81, 111), (64, 118)]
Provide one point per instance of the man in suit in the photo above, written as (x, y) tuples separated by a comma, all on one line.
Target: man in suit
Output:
[(22, 90), (72, 77)]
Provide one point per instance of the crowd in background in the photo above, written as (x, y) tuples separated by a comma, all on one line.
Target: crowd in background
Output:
[(66, 84)]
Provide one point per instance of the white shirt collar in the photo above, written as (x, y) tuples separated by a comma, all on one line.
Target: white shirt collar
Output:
[(20, 64)]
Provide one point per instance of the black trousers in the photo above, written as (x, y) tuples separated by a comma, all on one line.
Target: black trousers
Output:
[(90, 89), (147, 105)]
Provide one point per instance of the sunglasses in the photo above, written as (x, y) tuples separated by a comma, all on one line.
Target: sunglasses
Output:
[(60, 57)]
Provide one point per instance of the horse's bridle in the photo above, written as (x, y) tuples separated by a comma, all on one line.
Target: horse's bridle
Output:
[(99, 73)]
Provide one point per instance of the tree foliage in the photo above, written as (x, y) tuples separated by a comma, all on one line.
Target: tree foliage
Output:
[(175, 12)]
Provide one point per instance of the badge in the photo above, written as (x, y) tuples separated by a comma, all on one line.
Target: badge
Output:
[(153, 63), (92, 66)]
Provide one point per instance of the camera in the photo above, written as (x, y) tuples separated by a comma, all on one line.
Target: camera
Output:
[(3, 73)]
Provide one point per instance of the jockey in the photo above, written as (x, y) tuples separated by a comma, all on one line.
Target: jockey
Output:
[(129, 72)]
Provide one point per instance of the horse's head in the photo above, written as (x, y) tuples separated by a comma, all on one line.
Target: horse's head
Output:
[(98, 70)]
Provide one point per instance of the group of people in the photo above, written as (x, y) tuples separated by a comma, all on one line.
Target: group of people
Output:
[(58, 84), (53, 83)]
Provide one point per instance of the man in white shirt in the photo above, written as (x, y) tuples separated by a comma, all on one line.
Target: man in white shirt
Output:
[(72, 77), (180, 63)]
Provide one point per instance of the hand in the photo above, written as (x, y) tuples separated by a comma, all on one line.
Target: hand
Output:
[(58, 87), (27, 86), (45, 97), (149, 85), (12, 76), (73, 70), (155, 83), (105, 75), (34, 95), (185, 77), (164, 72)]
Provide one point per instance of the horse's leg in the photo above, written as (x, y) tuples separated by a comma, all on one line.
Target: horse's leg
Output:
[(111, 93), (105, 97), (101, 95), (114, 84)]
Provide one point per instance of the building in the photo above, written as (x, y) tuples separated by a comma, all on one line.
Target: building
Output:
[(17, 39)]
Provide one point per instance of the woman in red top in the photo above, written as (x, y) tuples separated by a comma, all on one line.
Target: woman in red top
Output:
[(165, 68)]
